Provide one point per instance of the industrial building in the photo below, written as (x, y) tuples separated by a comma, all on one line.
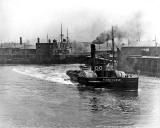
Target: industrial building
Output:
[(52, 52), (143, 60)]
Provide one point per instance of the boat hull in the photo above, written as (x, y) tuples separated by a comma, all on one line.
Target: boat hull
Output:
[(110, 83), (117, 83)]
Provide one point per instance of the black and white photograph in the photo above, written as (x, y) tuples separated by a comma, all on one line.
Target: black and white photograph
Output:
[(79, 64)]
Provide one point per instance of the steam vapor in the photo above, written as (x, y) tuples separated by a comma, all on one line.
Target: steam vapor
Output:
[(132, 31)]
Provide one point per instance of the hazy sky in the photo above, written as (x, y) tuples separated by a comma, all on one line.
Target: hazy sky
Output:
[(84, 18)]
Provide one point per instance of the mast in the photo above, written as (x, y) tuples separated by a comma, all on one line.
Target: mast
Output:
[(113, 47), (156, 44), (155, 41), (67, 37), (47, 37), (61, 34), (68, 42)]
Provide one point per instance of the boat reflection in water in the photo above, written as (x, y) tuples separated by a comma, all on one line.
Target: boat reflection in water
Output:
[(112, 107), (110, 100)]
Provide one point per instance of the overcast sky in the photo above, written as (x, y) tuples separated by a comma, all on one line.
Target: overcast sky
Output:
[(84, 18)]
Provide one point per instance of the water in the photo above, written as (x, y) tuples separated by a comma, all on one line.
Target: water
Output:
[(43, 97)]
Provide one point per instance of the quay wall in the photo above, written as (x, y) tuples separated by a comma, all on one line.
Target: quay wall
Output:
[(40, 56), (143, 60), (16, 55)]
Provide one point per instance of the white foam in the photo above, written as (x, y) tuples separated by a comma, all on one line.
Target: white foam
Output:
[(45, 74)]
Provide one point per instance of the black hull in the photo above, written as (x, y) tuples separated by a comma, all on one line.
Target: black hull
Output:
[(110, 83)]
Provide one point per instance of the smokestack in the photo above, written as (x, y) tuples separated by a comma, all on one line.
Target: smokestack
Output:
[(93, 49), (20, 40), (38, 40)]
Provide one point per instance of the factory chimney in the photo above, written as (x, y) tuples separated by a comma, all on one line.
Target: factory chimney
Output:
[(38, 40), (20, 40)]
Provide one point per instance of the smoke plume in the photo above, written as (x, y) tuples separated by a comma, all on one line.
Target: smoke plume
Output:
[(130, 32)]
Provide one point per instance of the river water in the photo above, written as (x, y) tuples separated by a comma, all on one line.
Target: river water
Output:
[(43, 97)]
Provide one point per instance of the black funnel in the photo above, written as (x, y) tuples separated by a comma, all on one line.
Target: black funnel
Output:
[(93, 49)]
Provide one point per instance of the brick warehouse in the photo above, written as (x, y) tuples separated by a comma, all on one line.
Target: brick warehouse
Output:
[(145, 60)]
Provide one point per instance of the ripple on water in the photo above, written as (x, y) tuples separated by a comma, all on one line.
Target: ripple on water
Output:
[(42, 97)]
